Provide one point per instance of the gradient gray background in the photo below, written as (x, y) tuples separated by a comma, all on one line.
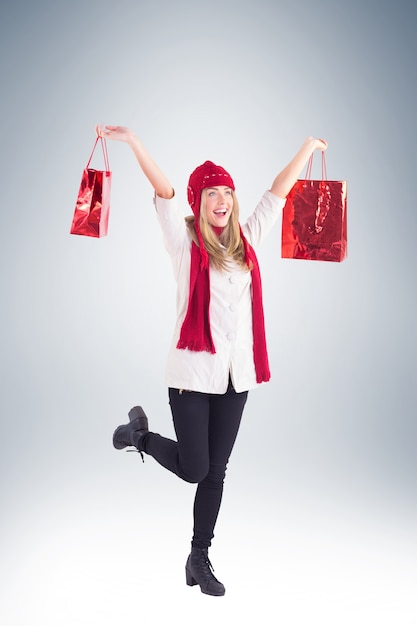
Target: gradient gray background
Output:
[(318, 524)]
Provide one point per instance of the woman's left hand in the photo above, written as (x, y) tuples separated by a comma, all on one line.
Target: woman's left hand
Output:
[(320, 144), (286, 179)]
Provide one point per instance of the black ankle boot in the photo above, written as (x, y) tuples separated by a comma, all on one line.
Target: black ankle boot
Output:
[(131, 434), (199, 571)]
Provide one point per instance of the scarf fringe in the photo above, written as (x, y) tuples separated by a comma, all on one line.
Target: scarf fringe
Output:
[(183, 344)]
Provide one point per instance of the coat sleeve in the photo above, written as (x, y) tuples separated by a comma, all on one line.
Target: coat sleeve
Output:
[(174, 230), (262, 220)]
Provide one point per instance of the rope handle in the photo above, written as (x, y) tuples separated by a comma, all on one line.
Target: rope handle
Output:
[(105, 153), (323, 167)]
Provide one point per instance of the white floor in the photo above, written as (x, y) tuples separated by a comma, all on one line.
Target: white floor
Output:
[(97, 558)]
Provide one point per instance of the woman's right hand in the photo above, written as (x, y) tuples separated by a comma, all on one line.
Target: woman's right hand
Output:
[(158, 180), (117, 133)]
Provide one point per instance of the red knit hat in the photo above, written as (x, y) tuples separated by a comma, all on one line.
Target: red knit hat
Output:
[(206, 175)]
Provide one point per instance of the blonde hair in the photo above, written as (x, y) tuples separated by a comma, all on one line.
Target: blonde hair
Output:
[(229, 244)]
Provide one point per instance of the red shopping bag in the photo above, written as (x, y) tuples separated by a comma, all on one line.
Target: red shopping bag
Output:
[(314, 219), (91, 215)]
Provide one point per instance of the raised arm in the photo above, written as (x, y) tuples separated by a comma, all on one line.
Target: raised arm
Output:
[(286, 179), (158, 180)]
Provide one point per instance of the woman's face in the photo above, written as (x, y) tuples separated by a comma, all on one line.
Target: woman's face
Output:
[(218, 205)]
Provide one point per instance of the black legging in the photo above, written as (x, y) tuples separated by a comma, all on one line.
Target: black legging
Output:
[(206, 426)]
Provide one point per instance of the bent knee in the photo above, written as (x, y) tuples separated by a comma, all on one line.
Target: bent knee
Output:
[(195, 475), (212, 475)]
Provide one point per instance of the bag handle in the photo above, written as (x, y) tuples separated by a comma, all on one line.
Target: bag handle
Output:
[(105, 154), (323, 167)]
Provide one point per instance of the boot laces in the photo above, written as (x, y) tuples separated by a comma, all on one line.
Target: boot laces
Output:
[(205, 566), (140, 452), (207, 560)]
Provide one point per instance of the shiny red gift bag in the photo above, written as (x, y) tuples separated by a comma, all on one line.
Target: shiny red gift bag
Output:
[(91, 215), (314, 219)]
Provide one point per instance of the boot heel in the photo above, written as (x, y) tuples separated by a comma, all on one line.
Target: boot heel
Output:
[(189, 578)]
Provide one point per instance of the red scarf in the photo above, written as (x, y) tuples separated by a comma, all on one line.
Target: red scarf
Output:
[(195, 331)]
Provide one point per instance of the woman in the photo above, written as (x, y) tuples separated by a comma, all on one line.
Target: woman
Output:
[(219, 349)]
